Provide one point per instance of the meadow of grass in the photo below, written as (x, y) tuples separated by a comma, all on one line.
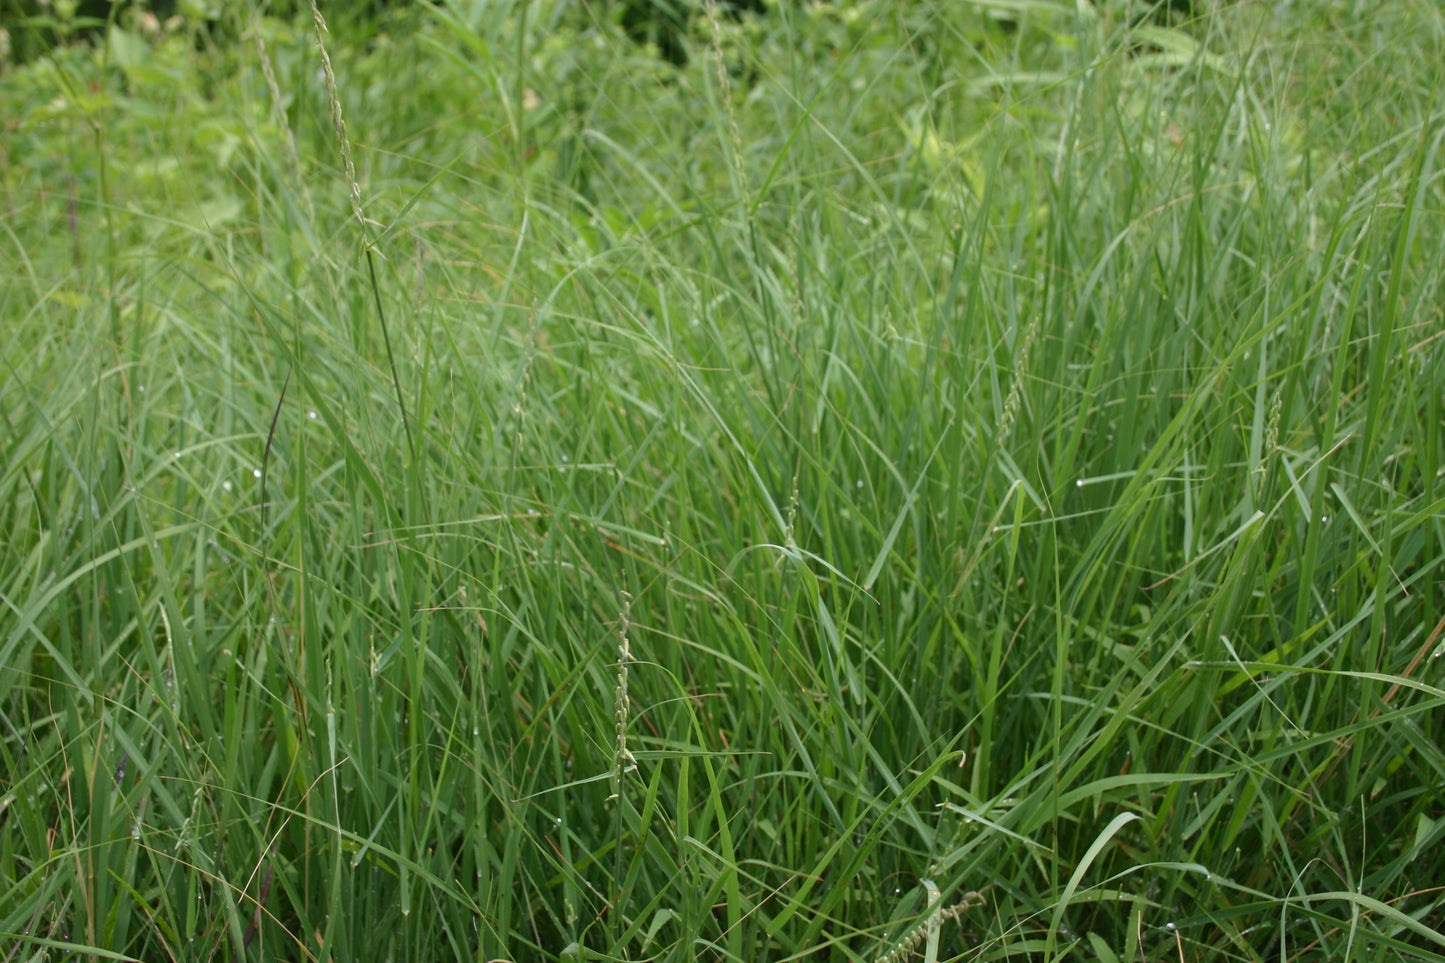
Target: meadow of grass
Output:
[(923, 480)]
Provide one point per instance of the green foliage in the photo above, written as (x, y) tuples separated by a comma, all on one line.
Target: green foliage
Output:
[(941, 479)]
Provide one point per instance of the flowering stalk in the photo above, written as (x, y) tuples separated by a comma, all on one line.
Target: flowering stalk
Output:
[(623, 761)]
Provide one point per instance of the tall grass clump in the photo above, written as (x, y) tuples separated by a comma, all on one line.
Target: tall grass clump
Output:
[(920, 480)]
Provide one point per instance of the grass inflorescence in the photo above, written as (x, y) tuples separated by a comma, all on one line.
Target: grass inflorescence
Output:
[(939, 480)]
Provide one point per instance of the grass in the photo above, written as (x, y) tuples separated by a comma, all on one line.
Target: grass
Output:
[(940, 480)]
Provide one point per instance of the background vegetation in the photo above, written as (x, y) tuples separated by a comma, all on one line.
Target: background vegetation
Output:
[(919, 479)]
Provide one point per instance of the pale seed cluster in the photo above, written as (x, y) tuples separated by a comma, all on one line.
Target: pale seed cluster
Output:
[(279, 106), (623, 761), (725, 93), (1011, 403), (919, 933), (337, 121)]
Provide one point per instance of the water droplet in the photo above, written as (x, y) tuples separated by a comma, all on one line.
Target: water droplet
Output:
[(256, 472), (311, 415), (859, 483)]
